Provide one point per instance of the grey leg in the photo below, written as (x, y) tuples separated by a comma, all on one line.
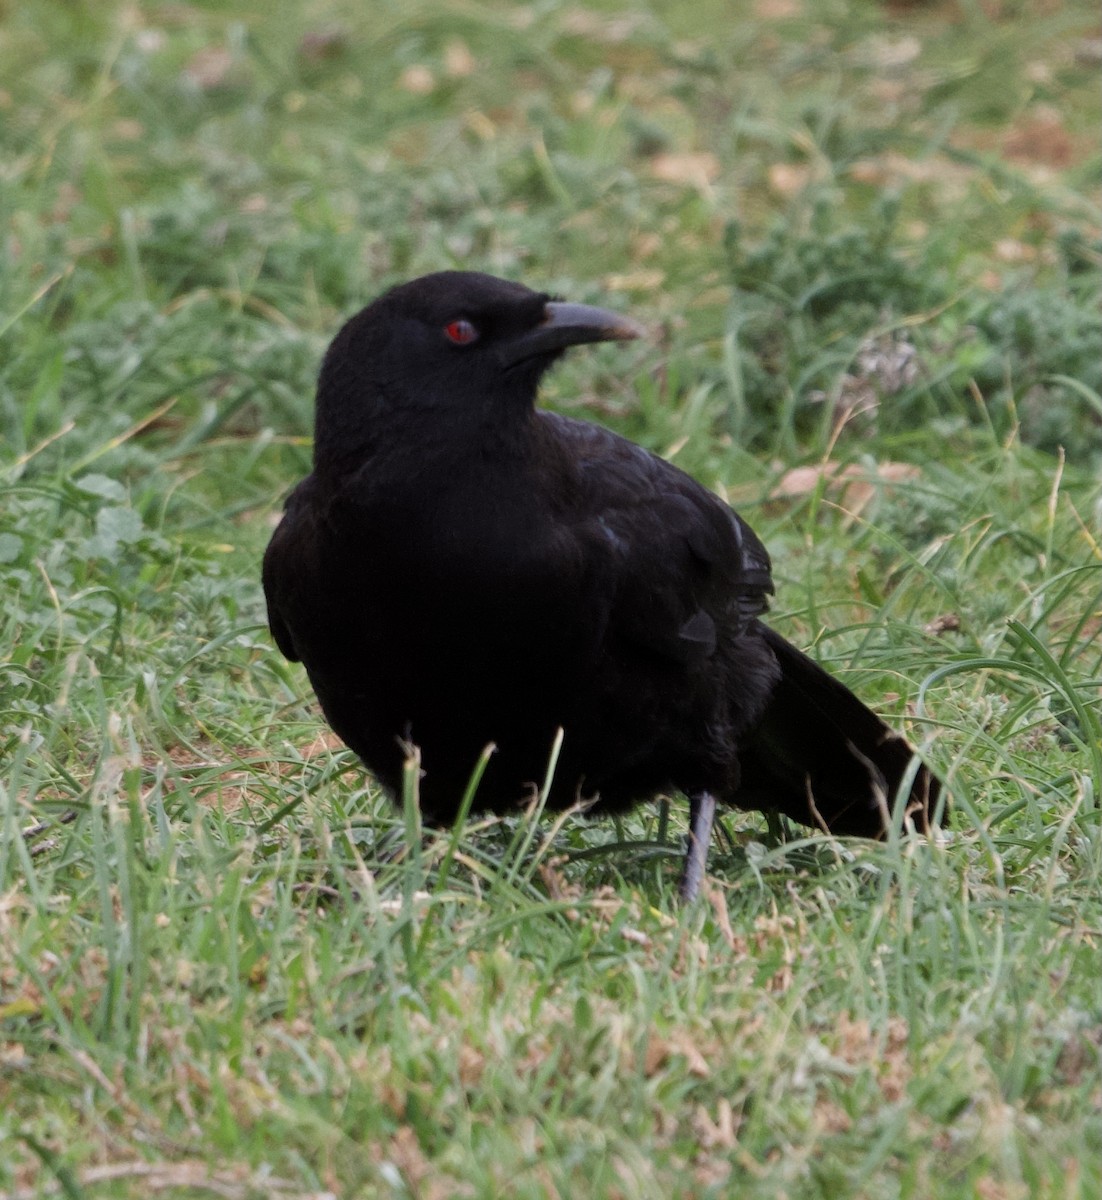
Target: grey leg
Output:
[(702, 811)]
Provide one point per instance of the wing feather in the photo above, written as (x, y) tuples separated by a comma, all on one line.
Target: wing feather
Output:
[(684, 563)]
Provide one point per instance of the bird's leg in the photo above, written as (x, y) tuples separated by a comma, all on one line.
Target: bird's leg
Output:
[(702, 811)]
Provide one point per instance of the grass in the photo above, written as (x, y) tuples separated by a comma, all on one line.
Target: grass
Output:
[(868, 240)]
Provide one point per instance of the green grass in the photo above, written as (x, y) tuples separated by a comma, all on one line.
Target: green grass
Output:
[(866, 236)]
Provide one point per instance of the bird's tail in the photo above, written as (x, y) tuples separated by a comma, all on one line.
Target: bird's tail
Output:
[(821, 757)]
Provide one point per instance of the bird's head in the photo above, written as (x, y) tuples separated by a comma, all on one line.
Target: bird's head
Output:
[(452, 347)]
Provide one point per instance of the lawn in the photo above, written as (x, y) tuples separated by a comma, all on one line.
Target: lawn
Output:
[(868, 240)]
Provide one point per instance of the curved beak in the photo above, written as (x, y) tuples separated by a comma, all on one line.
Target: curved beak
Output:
[(566, 325)]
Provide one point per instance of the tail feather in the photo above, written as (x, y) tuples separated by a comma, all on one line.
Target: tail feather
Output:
[(821, 757)]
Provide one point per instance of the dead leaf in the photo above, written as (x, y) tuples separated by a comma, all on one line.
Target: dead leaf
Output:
[(406, 1154), (946, 623), (660, 1050), (789, 179), (418, 79), (852, 483), (683, 1044), (988, 1188), (635, 281), (890, 53), (717, 898), (149, 41), (1010, 250), (1040, 139), (557, 885), (612, 31), (718, 1132), (459, 62), (325, 743), (323, 45), (888, 91), (697, 169), (893, 168), (210, 69), (778, 10), (472, 1064), (655, 1056), (832, 1118), (126, 129), (634, 935), (644, 245)]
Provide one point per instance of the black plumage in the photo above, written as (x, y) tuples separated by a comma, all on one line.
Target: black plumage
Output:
[(463, 568)]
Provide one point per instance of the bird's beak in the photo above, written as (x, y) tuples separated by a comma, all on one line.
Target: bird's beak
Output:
[(566, 325)]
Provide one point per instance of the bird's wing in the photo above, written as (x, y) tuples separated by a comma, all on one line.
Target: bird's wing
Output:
[(687, 568), (284, 573)]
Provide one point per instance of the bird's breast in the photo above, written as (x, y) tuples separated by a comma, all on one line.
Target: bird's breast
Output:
[(466, 566)]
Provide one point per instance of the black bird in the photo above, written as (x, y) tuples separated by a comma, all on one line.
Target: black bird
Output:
[(462, 568)]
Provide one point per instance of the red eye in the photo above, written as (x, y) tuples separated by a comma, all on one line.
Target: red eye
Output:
[(461, 332)]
